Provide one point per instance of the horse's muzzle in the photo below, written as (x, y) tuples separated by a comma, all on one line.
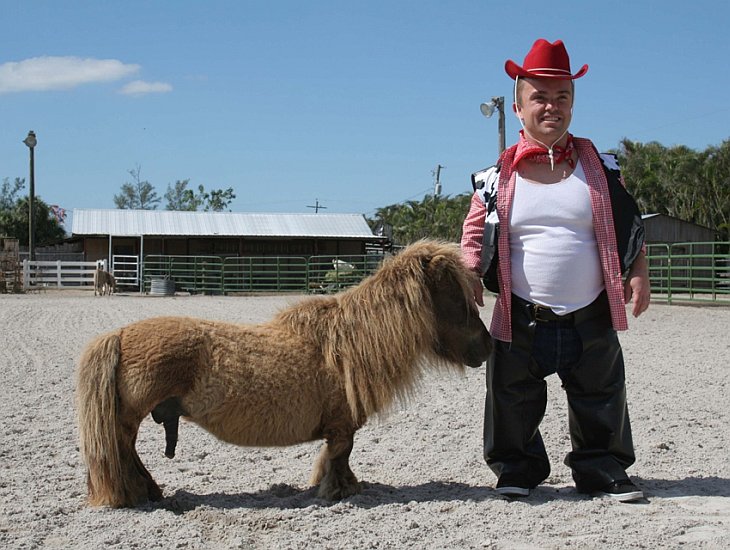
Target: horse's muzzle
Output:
[(480, 350)]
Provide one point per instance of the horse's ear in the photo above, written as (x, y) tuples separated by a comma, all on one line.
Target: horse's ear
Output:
[(434, 263)]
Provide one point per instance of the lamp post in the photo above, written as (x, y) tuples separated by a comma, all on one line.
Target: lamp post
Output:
[(31, 142), (487, 110)]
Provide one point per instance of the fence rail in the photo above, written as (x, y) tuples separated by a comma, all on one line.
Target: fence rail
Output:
[(212, 274), (190, 273), (698, 272), (265, 274), (39, 274)]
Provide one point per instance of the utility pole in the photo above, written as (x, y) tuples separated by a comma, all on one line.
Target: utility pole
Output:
[(500, 106), (488, 109), (31, 142), (437, 180)]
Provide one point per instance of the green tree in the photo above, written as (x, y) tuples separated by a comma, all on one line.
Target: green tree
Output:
[(9, 193), (434, 216), (139, 195), (219, 199), (717, 177), (642, 170), (14, 216), (680, 182), (179, 197)]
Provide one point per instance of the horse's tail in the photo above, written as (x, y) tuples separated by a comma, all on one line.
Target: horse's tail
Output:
[(98, 417)]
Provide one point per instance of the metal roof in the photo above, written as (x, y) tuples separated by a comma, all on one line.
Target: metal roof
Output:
[(128, 223)]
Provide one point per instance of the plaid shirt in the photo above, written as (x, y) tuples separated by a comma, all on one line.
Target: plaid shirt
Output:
[(471, 240)]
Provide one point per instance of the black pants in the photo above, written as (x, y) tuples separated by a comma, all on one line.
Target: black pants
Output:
[(587, 356)]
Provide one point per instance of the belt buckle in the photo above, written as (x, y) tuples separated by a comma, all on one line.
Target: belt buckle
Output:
[(536, 309)]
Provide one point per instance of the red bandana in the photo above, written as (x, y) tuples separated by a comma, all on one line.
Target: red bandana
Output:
[(538, 153)]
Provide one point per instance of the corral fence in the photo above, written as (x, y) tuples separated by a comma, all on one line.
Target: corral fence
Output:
[(209, 274), (697, 272), (42, 274), (213, 274)]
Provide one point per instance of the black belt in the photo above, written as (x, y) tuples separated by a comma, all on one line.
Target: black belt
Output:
[(542, 314)]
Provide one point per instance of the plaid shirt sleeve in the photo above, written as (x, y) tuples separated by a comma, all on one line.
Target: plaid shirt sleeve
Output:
[(473, 232)]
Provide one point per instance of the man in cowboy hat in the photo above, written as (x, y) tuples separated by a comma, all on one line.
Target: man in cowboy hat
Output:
[(554, 233)]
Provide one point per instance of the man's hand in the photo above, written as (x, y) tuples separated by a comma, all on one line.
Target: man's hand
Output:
[(637, 288), (478, 288)]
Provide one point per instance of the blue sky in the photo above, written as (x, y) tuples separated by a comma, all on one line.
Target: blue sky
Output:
[(351, 103)]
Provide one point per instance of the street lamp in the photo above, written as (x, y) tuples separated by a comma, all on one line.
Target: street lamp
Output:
[(31, 142), (487, 110)]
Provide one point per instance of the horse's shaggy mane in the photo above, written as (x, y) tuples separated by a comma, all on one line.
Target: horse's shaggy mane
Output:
[(374, 334)]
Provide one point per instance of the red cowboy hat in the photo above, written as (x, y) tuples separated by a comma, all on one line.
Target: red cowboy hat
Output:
[(545, 60)]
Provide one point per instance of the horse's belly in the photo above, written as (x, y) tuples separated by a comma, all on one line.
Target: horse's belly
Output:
[(252, 386), (260, 426), (254, 408)]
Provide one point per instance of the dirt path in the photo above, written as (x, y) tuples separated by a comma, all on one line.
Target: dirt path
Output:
[(426, 485)]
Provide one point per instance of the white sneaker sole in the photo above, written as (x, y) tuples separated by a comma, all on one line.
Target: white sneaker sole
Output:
[(513, 491), (622, 497)]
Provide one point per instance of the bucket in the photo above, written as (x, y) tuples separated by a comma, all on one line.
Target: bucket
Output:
[(162, 287)]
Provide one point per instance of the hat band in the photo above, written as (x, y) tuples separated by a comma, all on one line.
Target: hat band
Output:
[(549, 70)]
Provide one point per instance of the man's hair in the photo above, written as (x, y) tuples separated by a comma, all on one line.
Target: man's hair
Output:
[(517, 90)]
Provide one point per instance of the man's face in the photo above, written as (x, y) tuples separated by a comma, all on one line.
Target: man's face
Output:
[(545, 107)]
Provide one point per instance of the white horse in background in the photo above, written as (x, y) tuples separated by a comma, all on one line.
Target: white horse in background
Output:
[(104, 282)]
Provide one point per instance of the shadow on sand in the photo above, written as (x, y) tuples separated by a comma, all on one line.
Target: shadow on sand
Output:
[(283, 496)]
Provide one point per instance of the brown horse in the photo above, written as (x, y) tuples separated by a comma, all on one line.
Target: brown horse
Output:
[(318, 370)]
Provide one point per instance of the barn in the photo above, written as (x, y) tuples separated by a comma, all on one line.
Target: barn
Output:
[(684, 256), (106, 233), (662, 228), (229, 251)]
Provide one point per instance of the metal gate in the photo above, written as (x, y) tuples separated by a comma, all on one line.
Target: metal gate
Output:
[(126, 271)]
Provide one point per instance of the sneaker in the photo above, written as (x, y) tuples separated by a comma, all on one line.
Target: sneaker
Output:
[(622, 491), (511, 486)]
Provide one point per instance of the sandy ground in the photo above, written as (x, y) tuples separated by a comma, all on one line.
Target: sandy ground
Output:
[(426, 485)]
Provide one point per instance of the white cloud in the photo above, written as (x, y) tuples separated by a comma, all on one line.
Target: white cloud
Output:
[(60, 73), (140, 87)]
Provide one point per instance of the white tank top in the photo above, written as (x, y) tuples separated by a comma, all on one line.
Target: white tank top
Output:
[(555, 260)]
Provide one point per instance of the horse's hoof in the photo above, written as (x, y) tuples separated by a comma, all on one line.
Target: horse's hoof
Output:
[(154, 493), (339, 490)]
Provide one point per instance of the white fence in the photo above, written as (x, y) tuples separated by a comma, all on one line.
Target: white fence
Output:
[(40, 274)]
